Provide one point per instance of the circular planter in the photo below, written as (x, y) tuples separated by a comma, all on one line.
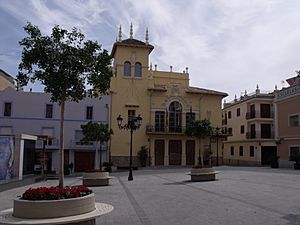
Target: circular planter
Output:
[(45, 209), (96, 179), (203, 174)]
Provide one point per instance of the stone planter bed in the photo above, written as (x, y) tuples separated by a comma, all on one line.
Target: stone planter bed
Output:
[(80, 211), (203, 174), (96, 179)]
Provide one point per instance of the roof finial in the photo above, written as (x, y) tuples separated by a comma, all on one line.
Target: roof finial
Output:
[(147, 36), (275, 87), (171, 68), (257, 87), (186, 69), (151, 66), (120, 33), (131, 31), (245, 92)]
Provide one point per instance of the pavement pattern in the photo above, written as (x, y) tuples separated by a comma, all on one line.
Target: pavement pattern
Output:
[(239, 196)]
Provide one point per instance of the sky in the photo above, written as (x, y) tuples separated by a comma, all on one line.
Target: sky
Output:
[(228, 45)]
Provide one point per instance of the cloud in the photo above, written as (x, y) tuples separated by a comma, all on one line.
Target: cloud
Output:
[(228, 45)]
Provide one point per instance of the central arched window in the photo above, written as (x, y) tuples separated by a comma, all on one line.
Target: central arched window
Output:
[(138, 70), (175, 112), (127, 69)]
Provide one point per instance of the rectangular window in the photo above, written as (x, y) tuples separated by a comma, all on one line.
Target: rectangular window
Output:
[(238, 112), (242, 129), (159, 121), (131, 115), (265, 110), (265, 130), (230, 130), (241, 151), (251, 151), (190, 116), (49, 110), (89, 112), (294, 120), (295, 151), (229, 115), (231, 150), (7, 109)]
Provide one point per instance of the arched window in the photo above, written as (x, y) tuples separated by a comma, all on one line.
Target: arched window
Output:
[(127, 69), (138, 70), (175, 111)]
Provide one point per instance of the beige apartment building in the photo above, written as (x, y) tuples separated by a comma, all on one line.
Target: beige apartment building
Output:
[(250, 121), (164, 100), (287, 102), (6, 80)]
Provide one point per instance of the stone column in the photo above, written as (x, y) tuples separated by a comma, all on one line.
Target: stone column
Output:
[(166, 152), (183, 152)]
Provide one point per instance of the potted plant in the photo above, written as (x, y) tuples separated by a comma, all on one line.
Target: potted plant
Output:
[(296, 159)]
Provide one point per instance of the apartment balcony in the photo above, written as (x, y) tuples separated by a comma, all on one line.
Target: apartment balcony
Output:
[(259, 115), (51, 144), (77, 144), (150, 129), (259, 135)]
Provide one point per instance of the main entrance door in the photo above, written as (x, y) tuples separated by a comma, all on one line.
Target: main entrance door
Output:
[(267, 154), (190, 152), (84, 161), (159, 149), (175, 152)]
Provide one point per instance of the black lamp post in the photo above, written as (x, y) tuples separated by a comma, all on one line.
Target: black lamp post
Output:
[(133, 124)]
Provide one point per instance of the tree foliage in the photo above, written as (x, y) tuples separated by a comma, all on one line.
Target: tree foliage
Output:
[(96, 132), (199, 129), (66, 64)]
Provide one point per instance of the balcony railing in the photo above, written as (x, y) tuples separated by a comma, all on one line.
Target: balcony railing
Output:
[(169, 129), (258, 114), (259, 135), (54, 143)]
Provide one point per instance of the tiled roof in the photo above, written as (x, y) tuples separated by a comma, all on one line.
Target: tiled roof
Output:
[(205, 91), (131, 42)]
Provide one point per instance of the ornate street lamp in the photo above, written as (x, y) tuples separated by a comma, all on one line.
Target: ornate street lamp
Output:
[(133, 124)]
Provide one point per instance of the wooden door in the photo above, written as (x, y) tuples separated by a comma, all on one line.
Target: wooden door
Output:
[(175, 149), (159, 149), (190, 152), (84, 161)]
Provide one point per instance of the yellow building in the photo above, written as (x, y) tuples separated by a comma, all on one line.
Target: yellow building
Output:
[(6, 80), (250, 121), (164, 100)]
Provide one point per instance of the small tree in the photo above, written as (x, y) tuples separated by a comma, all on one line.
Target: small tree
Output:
[(143, 155), (199, 129), (64, 63), (99, 133)]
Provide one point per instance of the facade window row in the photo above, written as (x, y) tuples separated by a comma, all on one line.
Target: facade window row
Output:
[(137, 69), (241, 151), (7, 112)]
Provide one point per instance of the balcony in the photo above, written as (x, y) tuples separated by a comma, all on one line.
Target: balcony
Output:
[(259, 115), (259, 135), (52, 144), (77, 144), (150, 129)]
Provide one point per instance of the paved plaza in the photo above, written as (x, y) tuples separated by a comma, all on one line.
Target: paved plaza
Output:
[(240, 196)]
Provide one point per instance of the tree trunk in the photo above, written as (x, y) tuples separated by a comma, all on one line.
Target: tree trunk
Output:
[(61, 145), (201, 152), (100, 148), (97, 157)]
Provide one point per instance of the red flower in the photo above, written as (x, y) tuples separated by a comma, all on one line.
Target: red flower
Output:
[(54, 193)]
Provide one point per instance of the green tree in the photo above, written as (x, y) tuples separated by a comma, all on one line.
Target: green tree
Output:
[(65, 63), (143, 155), (99, 133), (199, 129)]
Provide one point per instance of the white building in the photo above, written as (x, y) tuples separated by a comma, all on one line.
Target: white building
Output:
[(33, 113)]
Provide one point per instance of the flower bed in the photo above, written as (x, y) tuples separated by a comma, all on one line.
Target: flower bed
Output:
[(55, 193), (202, 173), (45, 203)]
